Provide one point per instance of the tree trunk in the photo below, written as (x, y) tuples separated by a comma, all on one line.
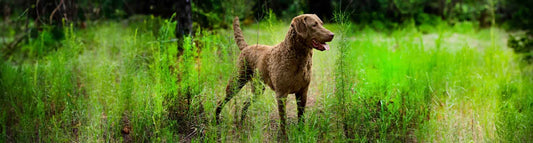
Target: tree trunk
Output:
[(184, 25)]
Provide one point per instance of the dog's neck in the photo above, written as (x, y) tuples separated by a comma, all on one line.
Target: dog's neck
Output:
[(296, 43)]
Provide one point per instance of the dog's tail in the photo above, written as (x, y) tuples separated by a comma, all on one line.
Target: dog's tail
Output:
[(239, 38)]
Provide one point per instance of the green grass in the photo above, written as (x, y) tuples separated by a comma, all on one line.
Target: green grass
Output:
[(426, 83)]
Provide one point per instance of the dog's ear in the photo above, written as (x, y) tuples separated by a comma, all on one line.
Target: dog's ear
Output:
[(298, 23)]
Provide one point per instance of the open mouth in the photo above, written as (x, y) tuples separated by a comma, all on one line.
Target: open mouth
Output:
[(322, 46)]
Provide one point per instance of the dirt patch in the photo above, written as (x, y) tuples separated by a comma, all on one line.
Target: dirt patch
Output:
[(126, 128)]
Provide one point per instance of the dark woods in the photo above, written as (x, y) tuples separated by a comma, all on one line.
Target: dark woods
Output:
[(28, 17), (204, 12)]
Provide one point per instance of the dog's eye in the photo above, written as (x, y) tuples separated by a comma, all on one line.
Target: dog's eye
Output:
[(314, 25)]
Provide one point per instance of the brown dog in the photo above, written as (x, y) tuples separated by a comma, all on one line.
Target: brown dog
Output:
[(286, 67)]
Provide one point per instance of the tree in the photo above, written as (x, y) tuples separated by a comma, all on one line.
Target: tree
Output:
[(184, 24)]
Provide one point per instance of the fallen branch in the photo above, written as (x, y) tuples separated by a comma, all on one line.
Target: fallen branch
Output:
[(11, 46), (55, 10)]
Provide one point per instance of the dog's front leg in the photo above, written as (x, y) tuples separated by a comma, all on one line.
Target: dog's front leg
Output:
[(301, 100)]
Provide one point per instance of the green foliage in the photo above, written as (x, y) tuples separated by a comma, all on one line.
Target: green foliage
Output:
[(388, 89), (296, 8), (41, 97), (522, 44), (220, 14), (433, 84), (516, 111), (409, 7), (424, 12), (427, 22), (103, 8), (521, 14), (520, 18), (188, 72)]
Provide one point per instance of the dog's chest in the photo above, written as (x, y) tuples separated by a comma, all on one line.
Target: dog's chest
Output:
[(292, 75), (301, 76), (303, 70)]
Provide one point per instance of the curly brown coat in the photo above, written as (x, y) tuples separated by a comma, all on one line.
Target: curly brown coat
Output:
[(285, 68)]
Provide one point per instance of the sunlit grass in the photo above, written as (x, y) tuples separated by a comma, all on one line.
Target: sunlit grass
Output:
[(431, 84)]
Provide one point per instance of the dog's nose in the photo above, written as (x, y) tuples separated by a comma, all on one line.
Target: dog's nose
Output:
[(331, 35)]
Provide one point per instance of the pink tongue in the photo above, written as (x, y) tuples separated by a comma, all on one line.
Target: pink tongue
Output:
[(315, 44), (326, 46)]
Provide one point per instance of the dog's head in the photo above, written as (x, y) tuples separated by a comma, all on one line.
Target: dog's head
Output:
[(310, 28)]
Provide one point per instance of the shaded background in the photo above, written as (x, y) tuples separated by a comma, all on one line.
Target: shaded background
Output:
[(28, 16), (217, 12)]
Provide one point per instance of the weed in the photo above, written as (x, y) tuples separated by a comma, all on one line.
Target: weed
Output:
[(111, 83)]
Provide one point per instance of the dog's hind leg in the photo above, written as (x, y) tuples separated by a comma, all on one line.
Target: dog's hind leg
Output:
[(234, 86), (282, 98), (258, 87)]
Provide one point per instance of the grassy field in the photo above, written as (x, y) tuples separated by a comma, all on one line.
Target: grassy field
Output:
[(122, 81)]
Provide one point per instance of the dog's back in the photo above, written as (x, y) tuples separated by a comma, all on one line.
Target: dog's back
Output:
[(256, 56)]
